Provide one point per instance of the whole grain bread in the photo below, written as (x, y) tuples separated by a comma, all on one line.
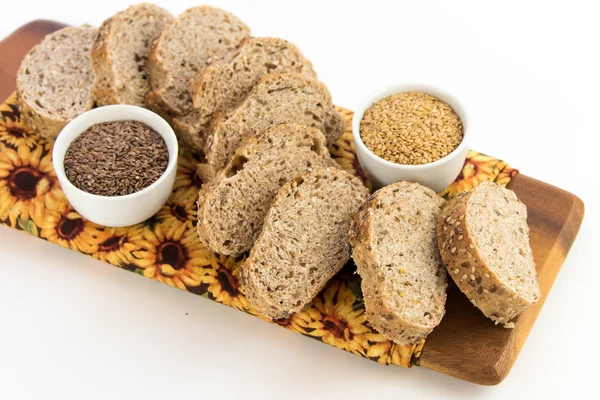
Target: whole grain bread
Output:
[(276, 99), (199, 36), (120, 53), (231, 209), (54, 80), (483, 238), (223, 86), (394, 246), (192, 129), (303, 243)]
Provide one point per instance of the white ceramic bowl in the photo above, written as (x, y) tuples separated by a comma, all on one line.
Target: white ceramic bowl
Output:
[(125, 210), (436, 175)]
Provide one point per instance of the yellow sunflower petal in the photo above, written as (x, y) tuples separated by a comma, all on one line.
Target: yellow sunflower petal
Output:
[(167, 270), (149, 272)]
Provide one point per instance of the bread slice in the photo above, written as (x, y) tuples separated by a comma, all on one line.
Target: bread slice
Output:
[(223, 86), (483, 238), (232, 208), (304, 241), (197, 37), (192, 129), (120, 53), (54, 80), (394, 246), (276, 99)]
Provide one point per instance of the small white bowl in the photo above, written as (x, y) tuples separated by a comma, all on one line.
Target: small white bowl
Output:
[(117, 211), (436, 175)]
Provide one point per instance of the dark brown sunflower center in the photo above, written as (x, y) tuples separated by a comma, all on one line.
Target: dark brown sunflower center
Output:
[(69, 228), (195, 179), (16, 132), (172, 253), (283, 321), (228, 282), (23, 182), (359, 170), (180, 212), (338, 327), (111, 244)]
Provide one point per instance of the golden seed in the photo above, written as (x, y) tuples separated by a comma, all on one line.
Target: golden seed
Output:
[(411, 128)]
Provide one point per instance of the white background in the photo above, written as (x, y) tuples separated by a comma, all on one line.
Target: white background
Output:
[(74, 328)]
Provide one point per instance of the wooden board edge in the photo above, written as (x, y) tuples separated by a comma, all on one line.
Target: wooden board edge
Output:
[(18, 43)]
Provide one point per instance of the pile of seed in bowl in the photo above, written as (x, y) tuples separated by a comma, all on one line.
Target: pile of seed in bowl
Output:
[(411, 128), (116, 158)]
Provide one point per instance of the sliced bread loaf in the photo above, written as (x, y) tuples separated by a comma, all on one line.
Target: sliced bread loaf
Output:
[(120, 53), (197, 37), (304, 241), (394, 246), (232, 208), (483, 238), (276, 99), (54, 80), (223, 86)]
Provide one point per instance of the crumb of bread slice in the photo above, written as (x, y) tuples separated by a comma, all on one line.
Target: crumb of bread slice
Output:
[(303, 243), (394, 246)]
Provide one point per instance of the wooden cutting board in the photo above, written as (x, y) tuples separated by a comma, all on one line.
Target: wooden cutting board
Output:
[(466, 345)]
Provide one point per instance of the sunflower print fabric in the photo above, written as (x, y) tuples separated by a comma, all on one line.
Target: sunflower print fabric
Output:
[(166, 247)]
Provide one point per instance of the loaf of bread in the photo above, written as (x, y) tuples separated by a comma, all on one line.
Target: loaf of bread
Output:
[(120, 53), (199, 36), (483, 238), (304, 241), (276, 99), (232, 208), (54, 80), (223, 86), (394, 246)]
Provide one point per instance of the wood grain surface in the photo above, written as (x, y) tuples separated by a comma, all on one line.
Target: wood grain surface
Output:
[(466, 345)]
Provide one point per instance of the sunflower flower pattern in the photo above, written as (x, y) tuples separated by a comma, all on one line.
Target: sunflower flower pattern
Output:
[(166, 247)]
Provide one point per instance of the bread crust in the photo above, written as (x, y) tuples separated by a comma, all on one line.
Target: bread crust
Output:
[(46, 127), (468, 268), (102, 65), (158, 78)]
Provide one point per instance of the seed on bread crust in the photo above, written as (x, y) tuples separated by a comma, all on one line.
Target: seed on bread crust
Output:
[(498, 252)]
